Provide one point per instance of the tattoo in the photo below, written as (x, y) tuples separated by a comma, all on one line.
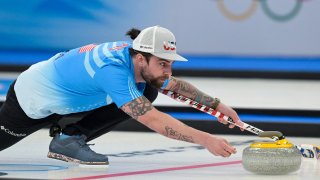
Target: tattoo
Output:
[(190, 91), (176, 135), (137, 107), (207, 100), (180, 86)]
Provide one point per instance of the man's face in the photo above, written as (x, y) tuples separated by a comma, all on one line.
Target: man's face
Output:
[(157, 71)]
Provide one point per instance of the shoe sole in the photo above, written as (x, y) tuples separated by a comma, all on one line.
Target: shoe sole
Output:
[(81, 163)]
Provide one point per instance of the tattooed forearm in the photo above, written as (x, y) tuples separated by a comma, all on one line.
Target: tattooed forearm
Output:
[(190, 91), (176, 135), (181, 86), (137, 107), (206, 100)]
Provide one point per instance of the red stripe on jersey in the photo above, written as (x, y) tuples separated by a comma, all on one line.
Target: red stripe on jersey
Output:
[(86, 48)]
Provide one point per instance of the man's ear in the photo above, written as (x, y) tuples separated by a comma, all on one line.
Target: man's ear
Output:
[(140, 59)]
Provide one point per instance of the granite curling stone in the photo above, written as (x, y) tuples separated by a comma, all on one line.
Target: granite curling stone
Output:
[(271, 158)]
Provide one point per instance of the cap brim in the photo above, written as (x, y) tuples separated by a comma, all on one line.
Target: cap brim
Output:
[(170, 56)]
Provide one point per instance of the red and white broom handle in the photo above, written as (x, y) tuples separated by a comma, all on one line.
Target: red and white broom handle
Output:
[(208, 110)]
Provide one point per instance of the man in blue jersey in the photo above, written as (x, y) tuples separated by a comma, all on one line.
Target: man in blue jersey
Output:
[(105, 84)]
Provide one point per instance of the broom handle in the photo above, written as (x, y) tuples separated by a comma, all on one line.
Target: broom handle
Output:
[(208, 110)]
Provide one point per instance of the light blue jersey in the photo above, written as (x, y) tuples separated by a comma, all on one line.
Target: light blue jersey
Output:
[(79, 80)]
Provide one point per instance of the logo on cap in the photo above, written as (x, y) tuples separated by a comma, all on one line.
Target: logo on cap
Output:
[(169, 45), (145, 47)]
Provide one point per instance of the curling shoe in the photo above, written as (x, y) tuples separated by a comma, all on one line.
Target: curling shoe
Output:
[(75, 149)]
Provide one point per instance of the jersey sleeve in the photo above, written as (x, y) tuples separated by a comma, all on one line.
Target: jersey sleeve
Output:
[(118, 83), (165, 84)]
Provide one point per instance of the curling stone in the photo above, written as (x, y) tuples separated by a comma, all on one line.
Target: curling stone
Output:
[(271, 158)]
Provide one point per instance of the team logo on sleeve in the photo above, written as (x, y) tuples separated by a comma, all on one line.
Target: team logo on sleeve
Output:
[(118, 47)]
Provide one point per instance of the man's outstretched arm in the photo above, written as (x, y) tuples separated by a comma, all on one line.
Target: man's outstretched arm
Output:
[(142, 110), (186, 89)]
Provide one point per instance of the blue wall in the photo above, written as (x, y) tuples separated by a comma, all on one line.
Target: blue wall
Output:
[(222, 34)]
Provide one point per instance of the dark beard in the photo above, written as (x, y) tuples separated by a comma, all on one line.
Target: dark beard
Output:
[(155, 82)]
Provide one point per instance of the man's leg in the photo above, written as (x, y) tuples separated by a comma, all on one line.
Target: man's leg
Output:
[(15, 124), (71, 144), (104, 119), (97, 123)]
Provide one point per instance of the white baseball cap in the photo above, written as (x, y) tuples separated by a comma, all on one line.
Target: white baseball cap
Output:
[(159, 42)]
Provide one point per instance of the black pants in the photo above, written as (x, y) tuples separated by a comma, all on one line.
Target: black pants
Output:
[(16, 125)]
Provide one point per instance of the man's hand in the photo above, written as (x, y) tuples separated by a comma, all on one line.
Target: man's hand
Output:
[(219, 146), (228, 111)]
